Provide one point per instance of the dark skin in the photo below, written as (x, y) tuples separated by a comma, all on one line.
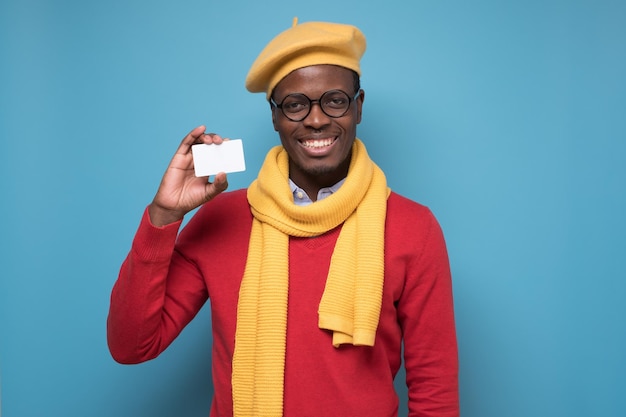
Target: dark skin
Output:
[(326, 159), (318, 146)]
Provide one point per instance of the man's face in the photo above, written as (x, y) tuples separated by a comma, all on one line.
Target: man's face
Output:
[(319, 146)]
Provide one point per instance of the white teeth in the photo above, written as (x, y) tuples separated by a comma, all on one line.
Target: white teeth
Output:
[(319, 143)]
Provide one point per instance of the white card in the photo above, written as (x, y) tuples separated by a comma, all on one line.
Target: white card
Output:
[(225, 157)]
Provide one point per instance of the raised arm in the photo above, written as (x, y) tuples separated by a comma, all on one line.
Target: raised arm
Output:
[(150, 302)]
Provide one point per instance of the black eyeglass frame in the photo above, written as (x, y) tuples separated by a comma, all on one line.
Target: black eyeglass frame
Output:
[(311, 102)]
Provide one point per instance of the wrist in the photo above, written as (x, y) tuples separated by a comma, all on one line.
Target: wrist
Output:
[(160, 216)]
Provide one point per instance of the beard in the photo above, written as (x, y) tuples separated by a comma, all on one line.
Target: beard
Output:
[(332, 172)]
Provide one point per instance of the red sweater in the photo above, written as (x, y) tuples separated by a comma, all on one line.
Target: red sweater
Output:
[(164, 282)]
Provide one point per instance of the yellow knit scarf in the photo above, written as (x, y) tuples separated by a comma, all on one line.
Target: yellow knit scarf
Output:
[(350, 305)]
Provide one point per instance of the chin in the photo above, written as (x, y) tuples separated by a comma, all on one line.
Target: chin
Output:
[(324, 170), (319, 170)]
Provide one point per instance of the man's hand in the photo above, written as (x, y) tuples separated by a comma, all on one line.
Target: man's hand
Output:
[(180, 190)]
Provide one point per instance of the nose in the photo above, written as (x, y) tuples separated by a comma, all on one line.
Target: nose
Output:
[(316, 117)]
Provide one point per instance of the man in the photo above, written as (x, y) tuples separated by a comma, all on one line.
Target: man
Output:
[(317, 273)]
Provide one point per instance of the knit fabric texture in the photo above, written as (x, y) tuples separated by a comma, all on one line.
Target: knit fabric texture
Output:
[(302, 45), (350, 305)]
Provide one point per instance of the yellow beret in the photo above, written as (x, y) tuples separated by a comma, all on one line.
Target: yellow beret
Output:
[(303, 45)]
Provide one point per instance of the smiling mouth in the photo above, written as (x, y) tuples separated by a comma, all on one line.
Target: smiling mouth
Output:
[(318, 143)]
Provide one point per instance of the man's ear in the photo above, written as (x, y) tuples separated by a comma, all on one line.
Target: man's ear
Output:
[(359, 105), (272, 108)]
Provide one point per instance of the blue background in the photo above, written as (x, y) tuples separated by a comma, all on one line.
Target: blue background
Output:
[(507, 118)]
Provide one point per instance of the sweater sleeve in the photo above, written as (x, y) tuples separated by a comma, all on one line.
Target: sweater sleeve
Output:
[(426, 315), (150, 304)]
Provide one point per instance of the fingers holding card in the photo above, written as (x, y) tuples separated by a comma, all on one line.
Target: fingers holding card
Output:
[(209, 159)]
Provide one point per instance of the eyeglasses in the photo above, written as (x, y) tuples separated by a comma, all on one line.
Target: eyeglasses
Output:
[(296, 107)]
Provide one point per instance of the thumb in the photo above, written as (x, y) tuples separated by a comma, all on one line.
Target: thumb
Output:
[(219, 184)]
